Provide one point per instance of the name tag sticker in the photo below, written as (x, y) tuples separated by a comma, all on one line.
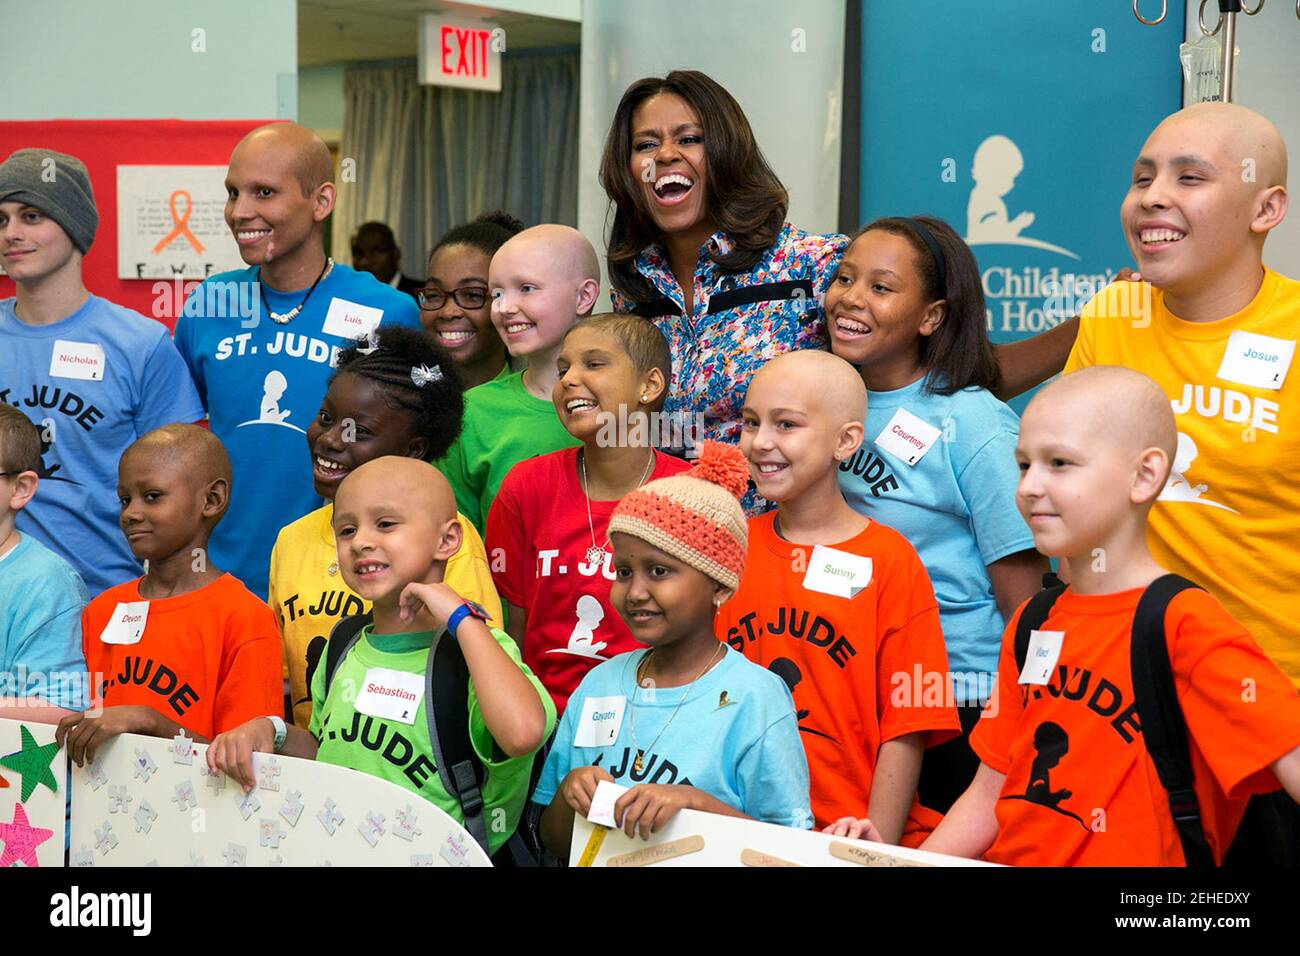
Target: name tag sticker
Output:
[(1258, 360), (837, 572), (83, 360), (600, 720), (1040, 660), (351, 320), (390, 695), (907, 437), (601, 811), (126, 625)]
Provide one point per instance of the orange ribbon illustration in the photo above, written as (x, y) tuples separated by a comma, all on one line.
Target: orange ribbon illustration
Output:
[(181, 228)]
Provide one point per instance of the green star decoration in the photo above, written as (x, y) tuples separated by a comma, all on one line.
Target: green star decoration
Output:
[(32, 763)]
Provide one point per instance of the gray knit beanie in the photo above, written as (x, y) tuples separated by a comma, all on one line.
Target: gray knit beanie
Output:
[(56, 184)]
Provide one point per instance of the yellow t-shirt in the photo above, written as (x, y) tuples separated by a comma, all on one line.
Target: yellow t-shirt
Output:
[(309, 596), (1229, 516)]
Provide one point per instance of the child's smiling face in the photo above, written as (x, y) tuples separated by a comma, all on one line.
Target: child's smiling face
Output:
[(32, 245), (355, 424), (162, 504), (537, 294), (467, 333), (596, 377), (661, 599)]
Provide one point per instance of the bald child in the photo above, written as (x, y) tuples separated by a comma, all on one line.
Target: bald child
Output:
[(186, 646), (837, 604), (395, 526), (1065, 778), (261, 341), (542, 279)]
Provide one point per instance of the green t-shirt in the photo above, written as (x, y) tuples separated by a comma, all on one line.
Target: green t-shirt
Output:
[(503, 426), (400, 752)]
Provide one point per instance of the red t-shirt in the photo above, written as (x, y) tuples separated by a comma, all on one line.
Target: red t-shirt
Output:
[(209, 660), (1080, 788), (537, 541), (858, 666)]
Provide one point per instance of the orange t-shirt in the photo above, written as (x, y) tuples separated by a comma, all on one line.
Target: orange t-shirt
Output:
[(1080, 788), (857, 666), (209, 660)]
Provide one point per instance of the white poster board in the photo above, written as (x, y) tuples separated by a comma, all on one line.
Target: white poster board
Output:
[(171, 223), (33, 793), (693, 838), (144, 801)]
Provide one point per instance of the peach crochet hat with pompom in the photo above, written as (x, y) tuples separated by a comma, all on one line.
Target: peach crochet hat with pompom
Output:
[(695, 515)]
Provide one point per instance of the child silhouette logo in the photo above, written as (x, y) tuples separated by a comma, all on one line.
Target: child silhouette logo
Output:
[(273, 388), (1178, 487), (582, 642), (998, 161), (1051, 743), (789, 672)]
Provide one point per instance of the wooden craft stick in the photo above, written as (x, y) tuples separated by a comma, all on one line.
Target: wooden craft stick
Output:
[(864, 857), (657, 854), (759, 858)]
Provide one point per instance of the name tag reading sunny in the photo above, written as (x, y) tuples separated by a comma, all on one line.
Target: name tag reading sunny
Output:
[(390, 695), (838, 573)]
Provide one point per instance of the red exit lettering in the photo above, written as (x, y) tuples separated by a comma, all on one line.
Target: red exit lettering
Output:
[(464, 51)]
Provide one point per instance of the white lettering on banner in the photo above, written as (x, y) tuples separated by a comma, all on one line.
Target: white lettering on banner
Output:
[(1211, 401)]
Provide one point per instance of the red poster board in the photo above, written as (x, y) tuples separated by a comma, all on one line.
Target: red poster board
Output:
[(103, 145)]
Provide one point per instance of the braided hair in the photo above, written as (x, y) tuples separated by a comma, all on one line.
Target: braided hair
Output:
[(399, 359), (487, 233)]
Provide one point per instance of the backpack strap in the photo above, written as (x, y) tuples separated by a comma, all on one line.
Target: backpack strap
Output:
[(1035, 614), (343, 636), (1163, 729), (446, 705)]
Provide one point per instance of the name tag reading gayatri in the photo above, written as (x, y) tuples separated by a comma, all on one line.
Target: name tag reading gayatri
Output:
[(1258, 360), (351, 320), (126, 624), (600, 720), (837, 572), (390, 695), (907, 437), (83, 360), (1040, 660)]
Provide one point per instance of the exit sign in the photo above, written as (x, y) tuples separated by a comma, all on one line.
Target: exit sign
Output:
[(462, 53)]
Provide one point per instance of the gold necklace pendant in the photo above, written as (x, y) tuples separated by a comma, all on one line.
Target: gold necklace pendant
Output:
[(333, 569), (639, 763)]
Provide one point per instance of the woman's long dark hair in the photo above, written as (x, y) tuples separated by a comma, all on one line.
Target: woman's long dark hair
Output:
[(958, 353), (743, 195)]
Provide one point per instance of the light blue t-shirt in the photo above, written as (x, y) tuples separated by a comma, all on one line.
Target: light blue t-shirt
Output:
[(262, 383), (956, 505), (41, 599), (86, 423), (734, 737)]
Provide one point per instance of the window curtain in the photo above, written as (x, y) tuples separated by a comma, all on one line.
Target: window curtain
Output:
[(427, 158)]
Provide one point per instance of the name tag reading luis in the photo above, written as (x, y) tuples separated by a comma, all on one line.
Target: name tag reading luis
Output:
[(1040, 660), (351, 320), (390, 695), (600, 720), (907, 437), (1258, 360), (83, 360), (837, 572), (126, 624)]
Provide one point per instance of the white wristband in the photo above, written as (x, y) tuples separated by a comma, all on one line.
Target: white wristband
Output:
[(281, 731)]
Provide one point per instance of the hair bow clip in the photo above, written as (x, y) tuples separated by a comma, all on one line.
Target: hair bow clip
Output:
[(372, 343), (422, 375)]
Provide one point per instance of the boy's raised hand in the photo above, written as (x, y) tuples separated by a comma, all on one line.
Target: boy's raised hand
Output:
[(83, 735), (232, 752), (855, 829), (438, 599), (646, 808), (579, 786)]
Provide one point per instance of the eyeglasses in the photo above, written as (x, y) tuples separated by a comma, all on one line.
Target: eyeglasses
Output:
[(434, 299)]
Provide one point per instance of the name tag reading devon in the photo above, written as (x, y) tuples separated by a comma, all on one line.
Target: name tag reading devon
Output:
[(837, 572), (907, 437), (390, 695), (1258, 360), (351, 320), (601, 718), (84, 360), (1040, 660), (126, 625)]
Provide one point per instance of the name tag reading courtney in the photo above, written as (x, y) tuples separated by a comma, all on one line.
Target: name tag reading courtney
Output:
[(600, 721), (1258, 360), (390, 695), (907, 437), (83, 360), (126, 624), (837, 572), (1040, 660), (351, 320)]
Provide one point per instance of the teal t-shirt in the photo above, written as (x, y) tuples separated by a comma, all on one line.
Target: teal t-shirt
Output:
[(503, 425), (399, 751)]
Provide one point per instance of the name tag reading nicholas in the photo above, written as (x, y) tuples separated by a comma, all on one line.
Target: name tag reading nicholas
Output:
[(351, 320), (390, 695), (83, 360), (907, 437), (838, 573)]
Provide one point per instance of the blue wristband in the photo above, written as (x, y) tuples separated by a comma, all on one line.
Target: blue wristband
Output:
[(468, 609)]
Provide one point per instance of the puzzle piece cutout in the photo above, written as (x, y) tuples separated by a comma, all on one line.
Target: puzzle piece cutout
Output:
[(182, 749), (195, 860), (235, 855), (145, 815), (373, 828), (291, 809), (405, 827), (276, 860), (455, 850), (144, 765), (83, 857), (422, 859), (97, 776), (268, 775), (183, 795), (216, 779), (330, 817), (247, 803), (118, 799), (105, 838), (270, 833)]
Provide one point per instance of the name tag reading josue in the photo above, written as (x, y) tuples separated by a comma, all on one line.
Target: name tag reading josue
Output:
[(907, 437), (351, 320), (83, 360), (838, 573), (600, 721), (1040, 660), (126, 625), (1259, 360), (390, 695)]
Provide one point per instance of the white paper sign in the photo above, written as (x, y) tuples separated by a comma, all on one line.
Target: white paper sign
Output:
[(600, 720), (390, 694), (126, 625), (907, 437), (601, 811), (83, 360), (351, 320), (837, 572), (1258, 360), (171, 223), (1040, 660)]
